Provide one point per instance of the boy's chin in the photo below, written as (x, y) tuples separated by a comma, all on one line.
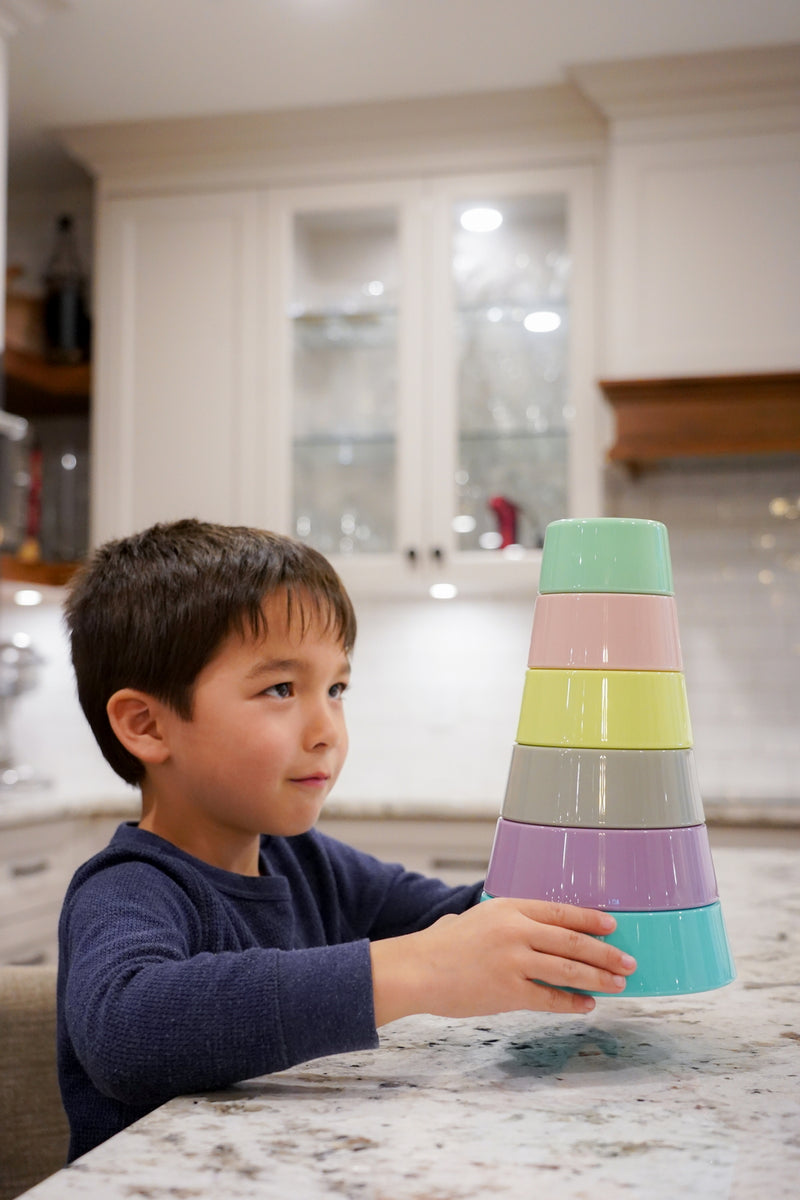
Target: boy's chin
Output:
[(295, 826)]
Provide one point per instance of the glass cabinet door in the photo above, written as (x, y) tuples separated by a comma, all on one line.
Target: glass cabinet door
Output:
[(430, 375), (343, 311), (510, 275)]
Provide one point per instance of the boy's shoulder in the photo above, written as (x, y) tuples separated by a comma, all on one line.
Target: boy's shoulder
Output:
[(138, 863), (132, 847)]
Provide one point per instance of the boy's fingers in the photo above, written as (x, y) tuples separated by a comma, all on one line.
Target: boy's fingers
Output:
[(550, 999), (567, 916), (571, 973), (570, 935), (576, 949)]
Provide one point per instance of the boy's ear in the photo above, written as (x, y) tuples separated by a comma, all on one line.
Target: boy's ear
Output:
[(134, 717)]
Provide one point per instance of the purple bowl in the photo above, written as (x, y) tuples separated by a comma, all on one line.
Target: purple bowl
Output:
[(634, 870)]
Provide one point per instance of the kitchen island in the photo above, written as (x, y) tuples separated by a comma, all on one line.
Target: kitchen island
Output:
[(695, 1096)]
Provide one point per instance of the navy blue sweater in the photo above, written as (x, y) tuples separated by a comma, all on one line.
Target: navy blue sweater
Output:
[(176, 976)]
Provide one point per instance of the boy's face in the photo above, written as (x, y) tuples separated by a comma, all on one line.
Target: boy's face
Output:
[(265, 744)]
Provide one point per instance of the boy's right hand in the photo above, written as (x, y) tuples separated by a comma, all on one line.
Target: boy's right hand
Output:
[(499, 956)]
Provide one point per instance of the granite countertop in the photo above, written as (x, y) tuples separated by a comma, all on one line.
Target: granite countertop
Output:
[(37, 807), (26, 808), (695, 1096)]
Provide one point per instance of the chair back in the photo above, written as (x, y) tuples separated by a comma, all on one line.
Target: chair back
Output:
[(34, 1131)]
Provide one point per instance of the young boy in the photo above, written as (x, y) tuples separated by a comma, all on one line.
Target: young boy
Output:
[(222, 937)]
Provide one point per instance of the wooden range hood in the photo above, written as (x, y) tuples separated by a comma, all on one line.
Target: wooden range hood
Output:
[(708, 415)]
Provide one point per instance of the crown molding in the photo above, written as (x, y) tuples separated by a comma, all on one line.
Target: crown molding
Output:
[(764, 80), (14, 13), (434, 135)]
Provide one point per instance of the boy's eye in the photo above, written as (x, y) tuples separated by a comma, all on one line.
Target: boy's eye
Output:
[(283, 690), (337, 690)]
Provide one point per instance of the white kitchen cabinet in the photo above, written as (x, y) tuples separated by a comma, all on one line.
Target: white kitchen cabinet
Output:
[(344, 363), (175, 419), (703, 177), (37, 862)]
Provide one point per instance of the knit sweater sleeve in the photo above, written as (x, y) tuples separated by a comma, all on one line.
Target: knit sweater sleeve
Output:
[(377, 899), (150, 1014)]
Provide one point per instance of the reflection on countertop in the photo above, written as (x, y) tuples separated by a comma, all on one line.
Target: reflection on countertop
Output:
[(693, 1097)]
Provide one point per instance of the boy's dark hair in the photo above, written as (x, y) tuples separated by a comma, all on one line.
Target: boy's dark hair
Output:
[(149, 611)]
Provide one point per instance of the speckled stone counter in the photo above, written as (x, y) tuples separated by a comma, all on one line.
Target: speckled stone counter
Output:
[(41, 806), (32, 808), (694, 1096)]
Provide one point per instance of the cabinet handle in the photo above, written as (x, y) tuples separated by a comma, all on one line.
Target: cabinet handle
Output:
[(30, 960), (437, 554), (34, 866), (411, 555)]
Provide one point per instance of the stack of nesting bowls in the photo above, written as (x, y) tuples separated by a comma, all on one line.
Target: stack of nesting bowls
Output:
[(602, 806)]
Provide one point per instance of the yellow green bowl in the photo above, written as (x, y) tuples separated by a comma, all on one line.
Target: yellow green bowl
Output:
[(621, 710)]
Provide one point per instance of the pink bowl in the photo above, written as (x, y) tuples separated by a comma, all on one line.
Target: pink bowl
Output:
[(615, 631)]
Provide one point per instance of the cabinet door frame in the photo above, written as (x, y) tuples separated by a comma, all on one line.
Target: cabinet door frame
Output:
[(373, 572)]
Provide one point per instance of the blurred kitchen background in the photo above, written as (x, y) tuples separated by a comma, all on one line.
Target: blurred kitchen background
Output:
[(409, 280)]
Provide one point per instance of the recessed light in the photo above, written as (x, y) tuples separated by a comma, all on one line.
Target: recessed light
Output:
[(481, 220), (542, 322)]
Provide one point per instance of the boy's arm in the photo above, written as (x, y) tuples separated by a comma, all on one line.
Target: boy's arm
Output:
[(377, 899), (149, 1017), (435, 949), (500, 956)]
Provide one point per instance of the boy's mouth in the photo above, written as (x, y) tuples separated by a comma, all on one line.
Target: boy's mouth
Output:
[(317, 779)]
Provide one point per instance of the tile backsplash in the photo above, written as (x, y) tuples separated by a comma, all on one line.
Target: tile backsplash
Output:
[(734, 530), (437, 684)]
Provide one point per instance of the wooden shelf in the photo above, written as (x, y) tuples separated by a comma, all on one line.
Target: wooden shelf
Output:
[(35, 387), (708, 415), (44, 574)]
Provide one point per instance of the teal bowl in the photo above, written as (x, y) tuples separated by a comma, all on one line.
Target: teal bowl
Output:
[(678, 952)]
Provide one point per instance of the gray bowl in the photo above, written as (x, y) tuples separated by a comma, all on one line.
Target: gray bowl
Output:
[(614, 789)]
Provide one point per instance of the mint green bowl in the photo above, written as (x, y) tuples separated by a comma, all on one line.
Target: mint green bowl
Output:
[(677, 952), (606, 554)]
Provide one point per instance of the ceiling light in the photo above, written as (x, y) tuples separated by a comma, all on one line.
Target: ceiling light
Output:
[(542, 322), (481, 220)]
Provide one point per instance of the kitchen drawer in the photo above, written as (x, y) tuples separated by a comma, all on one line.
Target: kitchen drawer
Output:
[(37, 862), (30, 857), (31, 937)]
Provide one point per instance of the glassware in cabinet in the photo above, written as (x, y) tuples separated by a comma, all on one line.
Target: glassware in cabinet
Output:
[(439, 378), (343, 312), (510, 268)]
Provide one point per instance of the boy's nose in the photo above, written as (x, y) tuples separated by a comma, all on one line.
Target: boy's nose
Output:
[(322, 728)]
